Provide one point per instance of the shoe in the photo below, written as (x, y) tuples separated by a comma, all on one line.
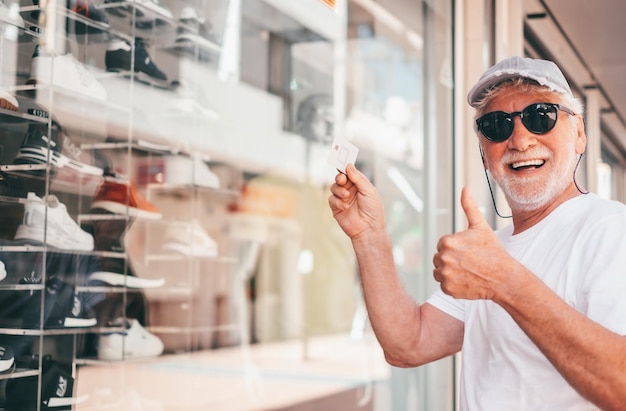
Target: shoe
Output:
[(124, 280), (46, 220), (11, 14), (65, 73), (39, 135), (121, 197), (7, 101), (98, 20), (119, 57), (190, 105), (196, 35), (62, 306), (189, 240), (60, 151), (52, 390), (160, 15), (133, 342), (7, 359), (3, 271), (184, 171)]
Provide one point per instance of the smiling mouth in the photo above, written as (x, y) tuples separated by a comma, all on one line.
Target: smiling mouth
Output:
[(524, 165)]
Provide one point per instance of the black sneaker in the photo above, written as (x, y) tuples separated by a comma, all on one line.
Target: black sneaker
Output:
[(38, 142), (57, 388), (62, 307), (119, 55), (41, 147)]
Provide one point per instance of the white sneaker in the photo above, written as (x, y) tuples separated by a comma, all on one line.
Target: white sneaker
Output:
[(196, 35), (189, 239), (65, 72), (134, 342), (190, 104), (125, 280), (183, 170), (3, 271), (61, 231), (7, 358)]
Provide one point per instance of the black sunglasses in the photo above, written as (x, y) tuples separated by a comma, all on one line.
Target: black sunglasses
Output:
[(538, 118)]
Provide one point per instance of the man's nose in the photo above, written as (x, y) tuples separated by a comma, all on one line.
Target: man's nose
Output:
[(521, 139)]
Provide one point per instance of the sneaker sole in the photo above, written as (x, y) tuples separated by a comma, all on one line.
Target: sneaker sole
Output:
[(188, 251), (54, 402), (25, 232), (79, 322), (6, 365), (39, 155), (125, 280), (110, 354), (118, 208), (142, 77)]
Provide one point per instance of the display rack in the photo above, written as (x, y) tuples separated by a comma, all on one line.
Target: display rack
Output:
[(109, 94)]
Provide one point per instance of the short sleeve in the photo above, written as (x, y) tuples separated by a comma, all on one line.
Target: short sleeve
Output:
[(447, 304), (602, 291)]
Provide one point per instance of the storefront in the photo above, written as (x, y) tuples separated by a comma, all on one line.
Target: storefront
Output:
[(166, 242)]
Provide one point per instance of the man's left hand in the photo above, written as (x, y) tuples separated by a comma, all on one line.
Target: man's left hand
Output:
[(471, 264)]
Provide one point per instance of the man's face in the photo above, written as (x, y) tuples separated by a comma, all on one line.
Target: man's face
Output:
[(533, 169)]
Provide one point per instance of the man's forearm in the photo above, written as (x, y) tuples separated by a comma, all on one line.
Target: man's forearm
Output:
[(409, 333), (393, 313), (590, 357)]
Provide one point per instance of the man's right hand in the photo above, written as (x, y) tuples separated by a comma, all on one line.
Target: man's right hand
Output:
[(356, 204)]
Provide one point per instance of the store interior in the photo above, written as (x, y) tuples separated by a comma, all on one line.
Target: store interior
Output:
[(165, 242), (165, 236)]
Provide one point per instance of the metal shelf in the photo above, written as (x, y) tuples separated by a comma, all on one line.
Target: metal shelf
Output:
[(19, 373)]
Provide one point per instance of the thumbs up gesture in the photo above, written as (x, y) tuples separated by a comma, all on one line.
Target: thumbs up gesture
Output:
[(472, 264)]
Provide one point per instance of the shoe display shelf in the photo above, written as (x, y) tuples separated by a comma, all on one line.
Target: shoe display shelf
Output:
[(97, 22), (126, 99), (39, 156), (188, 34), (183, 235), (39, 316), (108, 59), (188, 248), (105, 97)]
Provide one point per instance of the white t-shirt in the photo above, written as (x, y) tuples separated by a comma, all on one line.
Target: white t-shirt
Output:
[(579, 251)]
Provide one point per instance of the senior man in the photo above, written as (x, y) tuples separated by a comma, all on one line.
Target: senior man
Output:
[(538, 308)]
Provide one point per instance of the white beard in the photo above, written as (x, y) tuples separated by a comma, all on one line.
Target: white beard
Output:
[(532, 193)]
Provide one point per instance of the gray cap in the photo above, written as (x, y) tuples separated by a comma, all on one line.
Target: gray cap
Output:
[(544, 72)]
